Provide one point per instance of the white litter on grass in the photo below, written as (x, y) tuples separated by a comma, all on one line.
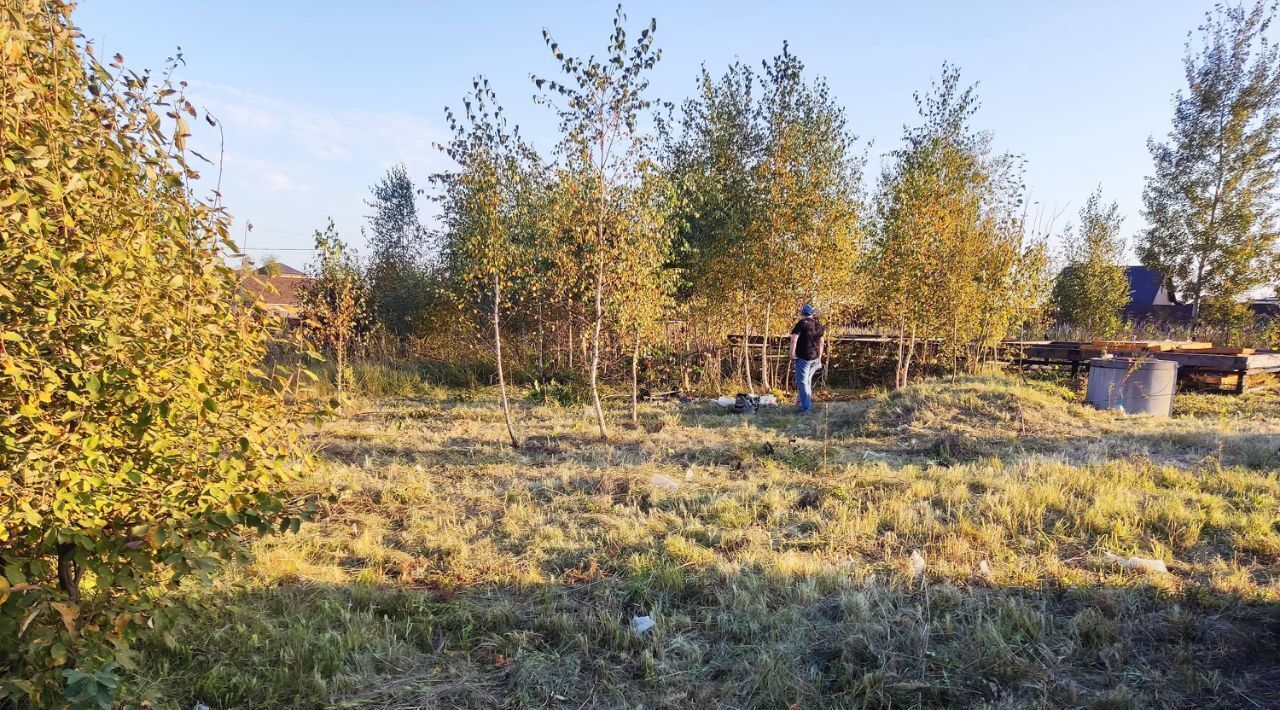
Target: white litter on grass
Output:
[(666, 483), (917, 564), (985, 568), (641, 624), (201, 706), (724, 401), (768, 400), (1141, 564)]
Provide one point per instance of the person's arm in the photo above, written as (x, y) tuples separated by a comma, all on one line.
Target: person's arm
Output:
[(822, 346), (794, 339)]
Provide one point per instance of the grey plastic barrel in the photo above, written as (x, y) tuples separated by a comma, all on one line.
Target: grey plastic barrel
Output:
[(1137, 386)]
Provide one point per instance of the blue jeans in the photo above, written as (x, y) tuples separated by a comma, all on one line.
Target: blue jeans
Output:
[(804, 383)]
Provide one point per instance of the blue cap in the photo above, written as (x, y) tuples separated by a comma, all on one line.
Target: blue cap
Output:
[(807, 310)]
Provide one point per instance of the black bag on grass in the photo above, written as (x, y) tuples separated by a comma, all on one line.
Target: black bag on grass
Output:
[(745, 403)]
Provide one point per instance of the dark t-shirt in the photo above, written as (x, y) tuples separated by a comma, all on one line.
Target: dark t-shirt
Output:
[(810, 332)]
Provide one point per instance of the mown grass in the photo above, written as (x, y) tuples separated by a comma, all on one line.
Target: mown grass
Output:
[(773, 551)]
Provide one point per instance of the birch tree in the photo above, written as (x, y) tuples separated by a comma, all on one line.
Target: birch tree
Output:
[(334, 300), (564, 262), (709, 152), (601, 106), (397, 270), (1091, 290), (486, 243), (773, 198), (643, 284), (1210, 202), (712, 157), (949, 253), (808, 241)]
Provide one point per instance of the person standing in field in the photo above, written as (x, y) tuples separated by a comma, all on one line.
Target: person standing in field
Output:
[(807, 341)]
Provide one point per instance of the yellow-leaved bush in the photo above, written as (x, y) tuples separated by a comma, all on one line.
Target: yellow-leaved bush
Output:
[(140, 442)]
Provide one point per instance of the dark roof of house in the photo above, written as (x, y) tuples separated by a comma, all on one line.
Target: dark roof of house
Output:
[(283, 269), (1144, 284)]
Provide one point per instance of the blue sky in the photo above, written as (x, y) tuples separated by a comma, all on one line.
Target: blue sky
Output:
[(318, 98)]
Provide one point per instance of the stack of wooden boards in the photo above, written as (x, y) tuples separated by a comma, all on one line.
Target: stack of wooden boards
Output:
[(1199, 363), (1164, 346)]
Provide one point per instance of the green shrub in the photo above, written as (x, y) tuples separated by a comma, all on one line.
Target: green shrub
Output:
[(139, 439)]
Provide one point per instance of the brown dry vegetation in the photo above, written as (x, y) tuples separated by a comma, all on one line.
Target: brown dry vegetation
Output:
[(773, 552)]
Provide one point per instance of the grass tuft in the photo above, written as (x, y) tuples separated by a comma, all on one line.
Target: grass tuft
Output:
[(971, 411)]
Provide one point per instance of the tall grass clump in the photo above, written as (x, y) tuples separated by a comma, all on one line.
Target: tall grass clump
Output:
[(972, 412)]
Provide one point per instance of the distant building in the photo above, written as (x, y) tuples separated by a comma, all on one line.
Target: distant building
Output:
[(1152, 298), (276, 288), (1266, 309)]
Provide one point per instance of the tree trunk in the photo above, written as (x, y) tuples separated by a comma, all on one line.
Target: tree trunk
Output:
[(826, 364), (744, 361), (1213, 224), (764, 350), (341, 357), (69, 572), (897, 368), (595, 346), (955, 351), (497, 352), (911, 351), (906, 350), (1195, 300), (599, 300), (542, 347), (746, 349), (684, 363), (904, 367), (635, 380), (684, 359)]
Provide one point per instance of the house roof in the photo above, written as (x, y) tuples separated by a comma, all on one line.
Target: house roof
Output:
[(1144, 284), (282, 269), (278, 293)]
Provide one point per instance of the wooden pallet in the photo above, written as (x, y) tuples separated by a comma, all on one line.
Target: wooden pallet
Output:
[(1226, 365), (1149, 346), (1228, 351), (1231, 381)]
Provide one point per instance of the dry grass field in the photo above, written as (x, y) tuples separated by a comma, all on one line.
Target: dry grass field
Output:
[(944, 546)]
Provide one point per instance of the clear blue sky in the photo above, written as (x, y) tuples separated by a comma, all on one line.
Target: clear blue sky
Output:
[(319, 98)]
